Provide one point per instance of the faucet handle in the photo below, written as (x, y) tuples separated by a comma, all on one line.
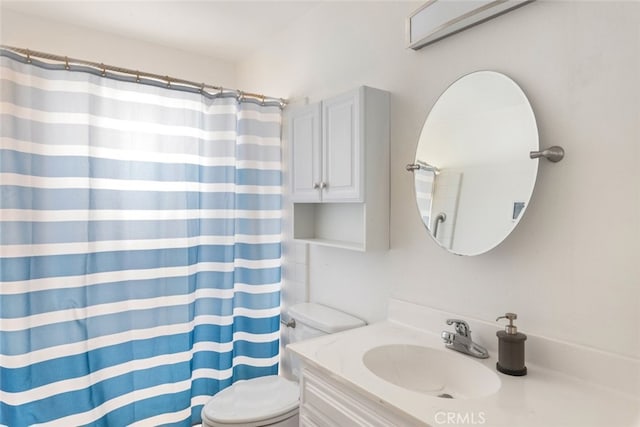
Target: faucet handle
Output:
[(461, 326), (447, 337)]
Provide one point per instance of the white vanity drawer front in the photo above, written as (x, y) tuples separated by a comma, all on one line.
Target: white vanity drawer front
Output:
[(310, 417), (327, 403), (335, 408)]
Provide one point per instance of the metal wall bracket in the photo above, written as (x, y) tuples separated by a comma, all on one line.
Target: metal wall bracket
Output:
[(411, 167), (553, 154)]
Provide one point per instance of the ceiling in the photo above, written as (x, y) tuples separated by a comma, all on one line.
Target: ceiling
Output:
[(226, 30)]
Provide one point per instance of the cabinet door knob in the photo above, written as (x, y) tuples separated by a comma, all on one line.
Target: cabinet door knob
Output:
[(316, 185), (323, 185)]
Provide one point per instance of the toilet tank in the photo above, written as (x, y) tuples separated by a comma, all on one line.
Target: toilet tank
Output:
[(313, 320)]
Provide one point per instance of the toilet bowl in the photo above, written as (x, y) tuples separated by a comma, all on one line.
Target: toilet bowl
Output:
[(273, 400), (265, 401)]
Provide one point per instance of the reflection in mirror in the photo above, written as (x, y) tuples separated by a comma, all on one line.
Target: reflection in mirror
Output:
[(473, 175)]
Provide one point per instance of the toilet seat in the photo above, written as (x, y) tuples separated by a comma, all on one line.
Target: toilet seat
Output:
[(255, 402)]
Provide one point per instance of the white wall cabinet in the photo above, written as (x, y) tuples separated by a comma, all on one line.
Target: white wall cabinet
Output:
[(324, 402), (305, 137), (339, 170), (326, 161)]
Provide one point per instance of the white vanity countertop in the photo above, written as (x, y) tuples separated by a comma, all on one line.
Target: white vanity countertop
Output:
[(542, 398)]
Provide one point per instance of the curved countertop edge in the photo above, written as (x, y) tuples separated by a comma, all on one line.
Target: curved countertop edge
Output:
[(543, 397)]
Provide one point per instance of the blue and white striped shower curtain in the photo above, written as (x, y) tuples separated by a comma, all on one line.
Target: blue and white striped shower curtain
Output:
[(140, 248)]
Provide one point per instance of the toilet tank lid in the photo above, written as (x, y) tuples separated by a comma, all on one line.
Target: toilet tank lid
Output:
[(323, 318)]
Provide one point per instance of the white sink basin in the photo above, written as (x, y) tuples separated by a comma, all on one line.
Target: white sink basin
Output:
[(442, 373)]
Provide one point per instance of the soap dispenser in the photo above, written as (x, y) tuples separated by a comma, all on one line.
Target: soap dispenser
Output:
[(511, 348)]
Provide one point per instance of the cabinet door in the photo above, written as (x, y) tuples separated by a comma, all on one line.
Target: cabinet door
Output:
[(342, 177), (326, 403), (305, 165)]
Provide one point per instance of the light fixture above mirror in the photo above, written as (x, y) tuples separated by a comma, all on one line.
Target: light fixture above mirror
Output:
[(437, 19)]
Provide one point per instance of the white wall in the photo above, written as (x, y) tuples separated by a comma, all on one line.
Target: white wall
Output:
[(571, 269), (30, 32)]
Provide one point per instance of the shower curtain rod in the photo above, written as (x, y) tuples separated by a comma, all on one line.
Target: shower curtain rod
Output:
[(171, 82)]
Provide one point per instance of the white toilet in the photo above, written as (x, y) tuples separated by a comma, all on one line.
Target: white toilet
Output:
[(273, 400)]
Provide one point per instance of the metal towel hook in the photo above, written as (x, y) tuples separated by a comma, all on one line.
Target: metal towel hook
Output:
[(553, 154), (442, 217)]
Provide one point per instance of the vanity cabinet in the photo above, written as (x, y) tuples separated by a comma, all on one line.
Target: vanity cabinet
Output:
[(339, 170), (324, 402)]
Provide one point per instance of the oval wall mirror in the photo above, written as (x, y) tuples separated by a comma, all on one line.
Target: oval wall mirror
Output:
[(472, 172)]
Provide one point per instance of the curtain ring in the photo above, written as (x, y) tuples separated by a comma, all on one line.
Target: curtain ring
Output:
[(137, 76), (104, 70), (66, 63), (202, 88), (240, 96), (262, 100), (29, 57), (168, 79)]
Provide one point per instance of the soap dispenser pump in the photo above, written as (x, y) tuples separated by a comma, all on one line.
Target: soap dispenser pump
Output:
[(511, 348)]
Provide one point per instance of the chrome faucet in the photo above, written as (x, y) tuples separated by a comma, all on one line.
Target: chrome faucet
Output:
[(461, 341)]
